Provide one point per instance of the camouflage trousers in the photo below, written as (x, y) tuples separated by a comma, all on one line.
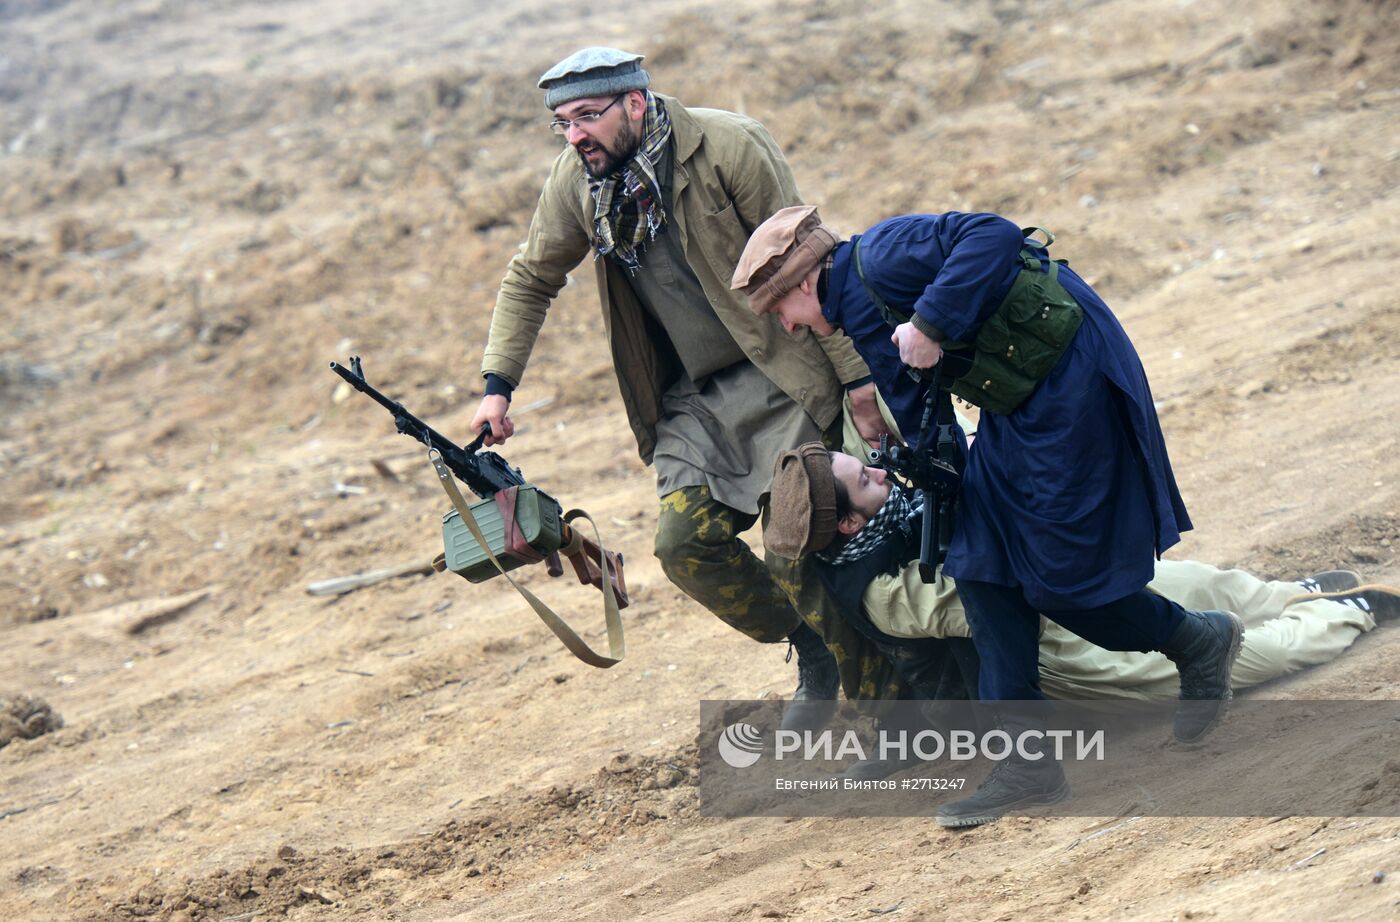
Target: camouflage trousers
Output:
[(699, 545), (866, 673)]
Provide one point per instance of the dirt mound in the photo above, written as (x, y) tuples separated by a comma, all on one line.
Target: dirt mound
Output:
[(495, 837), (25, 718)]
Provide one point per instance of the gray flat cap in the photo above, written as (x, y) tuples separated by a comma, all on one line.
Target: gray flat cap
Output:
[(593, 72)]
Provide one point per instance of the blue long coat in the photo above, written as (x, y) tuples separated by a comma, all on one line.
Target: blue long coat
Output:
[(1071, 497)]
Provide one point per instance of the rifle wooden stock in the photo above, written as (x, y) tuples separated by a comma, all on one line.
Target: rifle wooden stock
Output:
[(588, 568)]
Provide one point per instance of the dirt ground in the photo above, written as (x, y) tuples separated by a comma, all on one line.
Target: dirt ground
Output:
[(204, 203)]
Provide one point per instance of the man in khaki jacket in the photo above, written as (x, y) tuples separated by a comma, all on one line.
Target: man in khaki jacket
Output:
[(664, 198)]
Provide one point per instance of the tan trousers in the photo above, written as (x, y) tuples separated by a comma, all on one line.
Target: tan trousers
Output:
[(1281, 636)]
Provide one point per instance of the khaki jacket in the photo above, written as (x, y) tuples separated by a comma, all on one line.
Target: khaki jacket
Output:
[(729, 177)]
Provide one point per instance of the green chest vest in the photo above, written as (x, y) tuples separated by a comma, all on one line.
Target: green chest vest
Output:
[(1019, 344)]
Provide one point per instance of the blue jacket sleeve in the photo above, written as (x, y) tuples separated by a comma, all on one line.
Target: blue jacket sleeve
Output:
[(973, 277)]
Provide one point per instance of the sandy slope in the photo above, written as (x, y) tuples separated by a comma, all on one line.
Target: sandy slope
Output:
[(204, 203)]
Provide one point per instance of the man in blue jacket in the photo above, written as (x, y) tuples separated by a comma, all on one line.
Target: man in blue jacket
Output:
[(1068, 496)]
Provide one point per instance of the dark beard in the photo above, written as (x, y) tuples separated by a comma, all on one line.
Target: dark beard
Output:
[(629, 139)]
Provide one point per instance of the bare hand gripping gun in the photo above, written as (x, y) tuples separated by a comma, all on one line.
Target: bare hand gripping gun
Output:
[(513, 524)]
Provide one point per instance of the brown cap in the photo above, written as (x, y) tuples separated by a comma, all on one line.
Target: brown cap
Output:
[(781, 253), (802, 506)]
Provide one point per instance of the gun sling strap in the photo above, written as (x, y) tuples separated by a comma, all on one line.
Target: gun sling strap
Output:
[(566, 634)]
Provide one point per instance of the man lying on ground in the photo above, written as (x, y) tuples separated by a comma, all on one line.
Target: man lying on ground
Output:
[(858, 532)]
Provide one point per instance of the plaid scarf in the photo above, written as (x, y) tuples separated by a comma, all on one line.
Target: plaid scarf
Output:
[(895, 519), (627, 204)]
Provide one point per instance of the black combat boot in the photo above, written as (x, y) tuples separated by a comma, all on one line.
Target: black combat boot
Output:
[(814, 702), (1204, 648), (898, 717), (1014, 783), (933, 668)]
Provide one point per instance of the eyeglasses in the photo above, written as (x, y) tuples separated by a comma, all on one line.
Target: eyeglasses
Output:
[(585, 121)]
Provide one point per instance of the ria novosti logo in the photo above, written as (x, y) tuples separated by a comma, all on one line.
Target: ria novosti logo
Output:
[(740, 745)]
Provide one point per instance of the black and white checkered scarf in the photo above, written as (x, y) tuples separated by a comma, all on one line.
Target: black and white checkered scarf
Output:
[(627, 208), (895, 518)]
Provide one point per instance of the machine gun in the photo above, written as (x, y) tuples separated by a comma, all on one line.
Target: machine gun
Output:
[(934, 464), (486, 474), (520, 523)]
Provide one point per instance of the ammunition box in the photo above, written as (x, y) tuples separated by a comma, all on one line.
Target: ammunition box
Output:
[(536, 513)]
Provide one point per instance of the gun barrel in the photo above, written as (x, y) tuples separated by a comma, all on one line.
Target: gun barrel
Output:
[(404, 421), (364, 387), (928, 539), (486, 473)]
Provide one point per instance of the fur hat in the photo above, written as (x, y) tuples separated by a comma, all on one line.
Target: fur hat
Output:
[(802, 504), (781, 253), (593, 72)]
